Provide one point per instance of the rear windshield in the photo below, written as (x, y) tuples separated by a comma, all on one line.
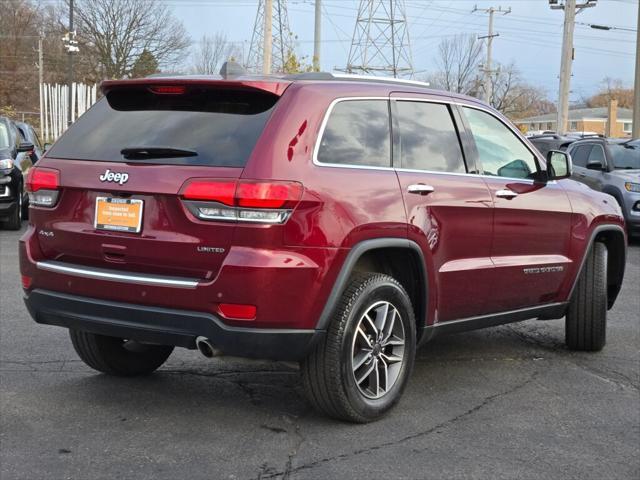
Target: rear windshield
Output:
[(220, 126)]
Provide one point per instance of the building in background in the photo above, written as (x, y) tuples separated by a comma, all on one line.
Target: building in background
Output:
[(595, 120)]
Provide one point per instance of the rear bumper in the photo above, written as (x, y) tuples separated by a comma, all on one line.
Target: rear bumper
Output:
[(166, 326)]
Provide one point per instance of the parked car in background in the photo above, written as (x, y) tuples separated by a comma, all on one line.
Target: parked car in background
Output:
[(535, 133), (15, 163), (327, 219), (547, 142), (611, 166), (29, 135)]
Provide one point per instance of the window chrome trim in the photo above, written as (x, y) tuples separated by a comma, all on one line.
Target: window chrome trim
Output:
[(408, 170), (116, 276)]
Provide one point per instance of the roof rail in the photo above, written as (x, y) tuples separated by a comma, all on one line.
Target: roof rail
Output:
[(355, 78)]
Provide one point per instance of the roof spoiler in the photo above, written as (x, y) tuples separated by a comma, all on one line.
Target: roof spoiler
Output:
[(232, 75)]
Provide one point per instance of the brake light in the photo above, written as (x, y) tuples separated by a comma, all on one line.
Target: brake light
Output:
[(42, 178), (214, 191), (43, 186), (242, 200), (268, 194), (238, 311), (168, 90)]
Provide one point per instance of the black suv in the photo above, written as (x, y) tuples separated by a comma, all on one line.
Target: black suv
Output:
[(15, 162)]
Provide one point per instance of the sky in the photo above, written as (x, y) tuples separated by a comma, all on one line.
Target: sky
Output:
[(530, 36)]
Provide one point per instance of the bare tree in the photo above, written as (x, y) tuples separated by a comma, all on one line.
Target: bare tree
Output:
[(117, 32), (211, 52), (514, 97), (458, 64), (611, 89)]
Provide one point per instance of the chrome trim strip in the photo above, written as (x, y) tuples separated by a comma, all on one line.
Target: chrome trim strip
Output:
[(333, 103), (115, 276)]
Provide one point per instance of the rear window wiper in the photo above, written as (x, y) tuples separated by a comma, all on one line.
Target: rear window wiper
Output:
[(132, 153)]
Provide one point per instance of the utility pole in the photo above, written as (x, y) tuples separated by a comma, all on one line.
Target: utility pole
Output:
[(636, 89), (70, 71), (488, 83), (566, 59), (268, 38), (317, 38), (41, 84)]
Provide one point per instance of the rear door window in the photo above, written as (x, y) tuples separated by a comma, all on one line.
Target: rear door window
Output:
[(220, 126), (428, 138), (357, 133)]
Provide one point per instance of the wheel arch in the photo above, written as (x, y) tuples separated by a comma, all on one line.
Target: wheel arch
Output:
[(614, 237), (399, 257)]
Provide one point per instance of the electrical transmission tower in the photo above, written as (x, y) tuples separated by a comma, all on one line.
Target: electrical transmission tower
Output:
[(380, 44), (281, 37)]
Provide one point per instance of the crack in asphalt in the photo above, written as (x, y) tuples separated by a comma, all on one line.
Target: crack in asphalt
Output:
[(603, 373), (286, 473)]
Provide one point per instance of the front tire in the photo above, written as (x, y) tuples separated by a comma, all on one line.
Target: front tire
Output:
[(586, 320), (360, 369), (14, 222), (116, 356)]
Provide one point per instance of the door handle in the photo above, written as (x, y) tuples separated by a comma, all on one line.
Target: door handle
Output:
[(508, 194), (420, 189)]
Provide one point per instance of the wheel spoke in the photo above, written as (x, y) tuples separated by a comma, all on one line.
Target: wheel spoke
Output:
[(390, 324), (381, 317), (374, 379), (364, 337), (393, 341), (385, 369), (361, 357), (391, 358), (373, 325), (366, 373)]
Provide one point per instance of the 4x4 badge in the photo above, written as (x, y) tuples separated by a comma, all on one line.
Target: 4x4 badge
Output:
[(110, 176)]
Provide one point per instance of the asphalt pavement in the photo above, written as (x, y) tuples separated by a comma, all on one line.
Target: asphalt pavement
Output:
[(502, 403)]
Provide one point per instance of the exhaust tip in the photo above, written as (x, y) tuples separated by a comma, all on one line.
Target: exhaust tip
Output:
[(205, 347)]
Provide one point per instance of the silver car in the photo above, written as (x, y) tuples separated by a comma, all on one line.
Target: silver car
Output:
[(611, 166)]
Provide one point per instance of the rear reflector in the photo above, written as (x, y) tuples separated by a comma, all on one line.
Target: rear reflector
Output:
[(42, 179), (238, 311), (26, 282)]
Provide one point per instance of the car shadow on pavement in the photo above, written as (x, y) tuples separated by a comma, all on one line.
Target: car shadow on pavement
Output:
[(242, 389)]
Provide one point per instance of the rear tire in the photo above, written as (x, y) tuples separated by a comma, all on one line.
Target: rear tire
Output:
[(586, 320), (116, 356), (359, 370)]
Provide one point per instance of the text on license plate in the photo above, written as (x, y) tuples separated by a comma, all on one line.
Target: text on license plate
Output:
[(119, 214)]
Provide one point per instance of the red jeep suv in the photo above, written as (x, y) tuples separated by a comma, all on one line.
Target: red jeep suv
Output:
[(336, 221)]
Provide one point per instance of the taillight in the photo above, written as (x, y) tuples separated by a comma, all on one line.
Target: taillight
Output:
[(43, 186), (242, 200)]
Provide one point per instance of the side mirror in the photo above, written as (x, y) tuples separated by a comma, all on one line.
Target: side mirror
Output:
[(46, 147), (25, 147), (559, 165), (595, 165)]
